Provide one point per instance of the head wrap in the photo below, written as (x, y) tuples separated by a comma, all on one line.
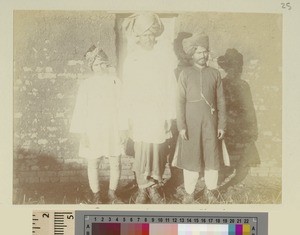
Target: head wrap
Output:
[(138, 24), (231, 59), (94, 53), (197, 39)]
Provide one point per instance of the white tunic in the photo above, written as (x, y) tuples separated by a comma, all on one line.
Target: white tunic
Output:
[(96, 116), (148, 98)]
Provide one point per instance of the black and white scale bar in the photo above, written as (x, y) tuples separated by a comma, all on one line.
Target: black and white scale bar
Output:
[(63, 213)]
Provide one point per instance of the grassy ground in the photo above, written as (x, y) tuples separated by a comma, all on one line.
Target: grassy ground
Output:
[(253, 190)]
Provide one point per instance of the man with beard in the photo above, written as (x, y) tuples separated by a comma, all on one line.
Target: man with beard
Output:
[(200, 119), (148, 103)]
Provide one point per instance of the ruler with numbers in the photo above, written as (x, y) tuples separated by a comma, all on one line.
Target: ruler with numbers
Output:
[(53, 222), (96, 222)]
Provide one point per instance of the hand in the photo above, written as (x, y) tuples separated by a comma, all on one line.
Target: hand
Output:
[(221, 134), (124, 135), (168, 124), (183, 134)]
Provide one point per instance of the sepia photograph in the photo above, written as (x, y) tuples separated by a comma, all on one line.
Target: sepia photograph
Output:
[(147, 107)]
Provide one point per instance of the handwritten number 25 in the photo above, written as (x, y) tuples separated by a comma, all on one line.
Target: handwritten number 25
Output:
[(286, 5)]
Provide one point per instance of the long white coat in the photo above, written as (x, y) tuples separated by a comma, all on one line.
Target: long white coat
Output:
[(148, 99), (96, 116)]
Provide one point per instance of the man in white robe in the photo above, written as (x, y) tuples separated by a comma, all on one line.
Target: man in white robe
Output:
[(148, 103)]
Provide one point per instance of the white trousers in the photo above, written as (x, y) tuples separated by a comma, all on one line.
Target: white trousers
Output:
[(191, 178), (115, 173)]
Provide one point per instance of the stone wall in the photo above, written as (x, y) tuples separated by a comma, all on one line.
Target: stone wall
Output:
[(49, 50)]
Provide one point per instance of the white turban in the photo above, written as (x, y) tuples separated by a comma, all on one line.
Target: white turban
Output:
[(138, 24), (198, 39)]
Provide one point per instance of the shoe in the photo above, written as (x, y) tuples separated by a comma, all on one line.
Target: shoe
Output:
[(113, 198), (97, 198), (188, 198), (142, 196), (155, 196)]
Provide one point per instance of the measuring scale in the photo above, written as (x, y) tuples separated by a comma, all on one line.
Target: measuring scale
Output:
[(148, 223)]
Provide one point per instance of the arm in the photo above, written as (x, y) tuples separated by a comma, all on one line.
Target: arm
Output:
[(181, 102), (125, 97), (171, 93)]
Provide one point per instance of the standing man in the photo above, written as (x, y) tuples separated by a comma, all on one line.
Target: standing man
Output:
[(200, 119), (148, 103)]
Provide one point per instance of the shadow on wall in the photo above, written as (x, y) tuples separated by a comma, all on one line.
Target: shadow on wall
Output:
[(39, 167), (35, 172)]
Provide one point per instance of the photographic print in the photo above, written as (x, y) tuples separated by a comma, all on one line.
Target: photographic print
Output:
[(147, 107)]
